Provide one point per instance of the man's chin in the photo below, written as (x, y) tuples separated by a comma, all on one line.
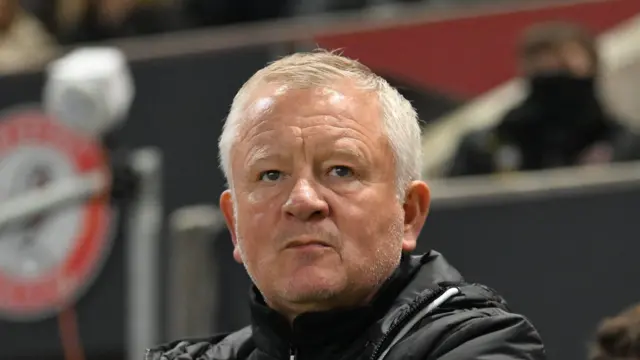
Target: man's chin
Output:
[(316, 284), (313, 299)]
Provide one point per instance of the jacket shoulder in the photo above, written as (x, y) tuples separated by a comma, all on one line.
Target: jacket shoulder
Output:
[(233, 346), (476, 324)]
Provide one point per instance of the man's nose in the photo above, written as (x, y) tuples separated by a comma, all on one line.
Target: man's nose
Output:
[(304, 203)]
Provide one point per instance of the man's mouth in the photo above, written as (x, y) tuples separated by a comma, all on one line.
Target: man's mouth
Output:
[(300, 244)]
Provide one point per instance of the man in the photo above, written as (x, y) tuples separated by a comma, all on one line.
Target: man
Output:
[(561, 121), (99, 20), (324, 205), (618, 337)]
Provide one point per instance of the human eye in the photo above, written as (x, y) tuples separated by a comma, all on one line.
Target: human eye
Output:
[(341, 171), (270, 175)]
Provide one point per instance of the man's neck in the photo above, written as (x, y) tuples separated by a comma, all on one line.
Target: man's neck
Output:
[(291, 311)]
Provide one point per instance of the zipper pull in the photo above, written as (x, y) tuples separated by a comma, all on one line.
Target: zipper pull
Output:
[(292, 354)]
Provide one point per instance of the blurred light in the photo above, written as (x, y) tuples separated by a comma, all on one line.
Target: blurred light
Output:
[(89, 89)]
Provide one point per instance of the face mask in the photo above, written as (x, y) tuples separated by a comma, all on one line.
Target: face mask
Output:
[(562, 89)]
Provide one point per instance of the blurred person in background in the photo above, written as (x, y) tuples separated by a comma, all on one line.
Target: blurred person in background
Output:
[(226, 12), (324, 208), (44, 10), (562, 120), (618, 337), (24, 41), (98, 20)]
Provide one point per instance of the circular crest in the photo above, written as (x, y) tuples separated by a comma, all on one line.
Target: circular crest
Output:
[(48, 258)]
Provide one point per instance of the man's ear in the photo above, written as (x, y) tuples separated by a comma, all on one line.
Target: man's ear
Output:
[(416, 208), (227, 207)]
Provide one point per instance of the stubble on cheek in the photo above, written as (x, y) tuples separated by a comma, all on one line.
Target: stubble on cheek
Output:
[(255, 236)]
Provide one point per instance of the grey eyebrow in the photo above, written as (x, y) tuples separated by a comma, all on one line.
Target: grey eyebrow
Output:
[(261, 153)]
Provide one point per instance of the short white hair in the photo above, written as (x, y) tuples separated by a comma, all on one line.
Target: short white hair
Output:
[(321, 68)]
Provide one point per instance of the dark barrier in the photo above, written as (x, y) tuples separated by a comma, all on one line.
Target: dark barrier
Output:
[(563, 258), (179, 107)]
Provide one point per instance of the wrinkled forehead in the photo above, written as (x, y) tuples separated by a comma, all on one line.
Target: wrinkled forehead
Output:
[(275, 105)]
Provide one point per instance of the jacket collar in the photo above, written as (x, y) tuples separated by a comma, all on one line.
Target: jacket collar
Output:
[(332, 332)]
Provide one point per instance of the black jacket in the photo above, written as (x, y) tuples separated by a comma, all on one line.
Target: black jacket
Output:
[(542, 137), (424, 311)]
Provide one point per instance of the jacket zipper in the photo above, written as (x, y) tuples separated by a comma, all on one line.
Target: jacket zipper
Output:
[(413, 309), (292, 353)]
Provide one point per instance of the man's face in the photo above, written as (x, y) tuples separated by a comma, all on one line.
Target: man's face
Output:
[(115, 10), (317, 221), (570, 56), (577, 59), (545, 61)]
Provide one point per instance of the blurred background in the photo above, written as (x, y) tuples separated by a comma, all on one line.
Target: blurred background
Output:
[(110, 111)]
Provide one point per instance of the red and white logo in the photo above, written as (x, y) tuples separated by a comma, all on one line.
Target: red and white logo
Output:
[(46, 260)]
